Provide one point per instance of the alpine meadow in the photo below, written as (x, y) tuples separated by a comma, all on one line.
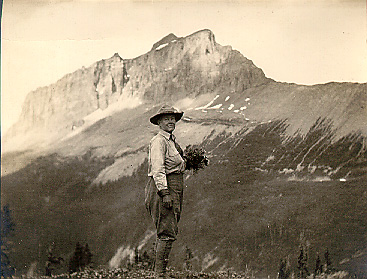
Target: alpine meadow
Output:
[(284, 194)]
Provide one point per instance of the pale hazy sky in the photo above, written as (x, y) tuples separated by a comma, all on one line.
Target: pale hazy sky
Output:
[(305, 42)]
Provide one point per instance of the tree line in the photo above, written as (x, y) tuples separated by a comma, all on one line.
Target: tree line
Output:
[(303, 268)]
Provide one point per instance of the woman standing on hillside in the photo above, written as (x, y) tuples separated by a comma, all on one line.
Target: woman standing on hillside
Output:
[(164, 191)]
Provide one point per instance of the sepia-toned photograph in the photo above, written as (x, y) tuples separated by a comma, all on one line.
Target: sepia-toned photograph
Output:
[(184, 139)]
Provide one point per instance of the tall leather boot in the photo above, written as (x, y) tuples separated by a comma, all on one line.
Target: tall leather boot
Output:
[(161, 260)]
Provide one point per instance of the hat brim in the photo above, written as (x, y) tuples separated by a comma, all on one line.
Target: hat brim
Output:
[(154, 119)]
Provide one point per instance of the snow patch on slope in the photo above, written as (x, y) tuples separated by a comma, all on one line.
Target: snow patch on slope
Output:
[(208, 104), (216, 106), (161, 46)]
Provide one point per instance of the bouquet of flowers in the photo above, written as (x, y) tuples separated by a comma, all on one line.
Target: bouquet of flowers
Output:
[(195, 158)]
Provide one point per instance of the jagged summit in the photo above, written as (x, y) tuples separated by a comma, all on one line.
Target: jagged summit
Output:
[(279, 153), (202, 36), (194, 68), (116, 55), (165, 40), (203, 33)]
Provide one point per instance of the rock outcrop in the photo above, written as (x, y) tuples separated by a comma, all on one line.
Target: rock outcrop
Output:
[(175, 68), (50, 111), (287, 161)]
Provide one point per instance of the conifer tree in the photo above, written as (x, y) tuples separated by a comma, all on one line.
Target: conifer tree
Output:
[(146, 260), (283, 269), (81, 259), (52, 260), (318, 266), (327, 261), (302, 264), (76, 261), (87, 256), (48, 271), (7, 230), (79, 252), (188, 258), (137, 256)]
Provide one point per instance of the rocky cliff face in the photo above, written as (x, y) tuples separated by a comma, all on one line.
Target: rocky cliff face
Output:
[(287, 161), (191, 66), (175, 68), (194, 69), (74, 96)]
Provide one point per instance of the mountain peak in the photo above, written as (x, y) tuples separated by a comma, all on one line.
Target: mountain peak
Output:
[(203, 33), (177, 68), (117, 55), (165, 40)]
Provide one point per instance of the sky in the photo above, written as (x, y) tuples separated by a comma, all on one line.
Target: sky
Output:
[(304, 42)]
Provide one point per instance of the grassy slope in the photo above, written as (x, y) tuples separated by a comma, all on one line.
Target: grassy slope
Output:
[(256, 218), (238, 209)]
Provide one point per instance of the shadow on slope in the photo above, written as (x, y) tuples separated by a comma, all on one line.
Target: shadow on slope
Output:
[(265, 194), (257, 202)]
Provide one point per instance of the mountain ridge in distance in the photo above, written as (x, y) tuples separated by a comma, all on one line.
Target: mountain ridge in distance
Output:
[(286, 160)]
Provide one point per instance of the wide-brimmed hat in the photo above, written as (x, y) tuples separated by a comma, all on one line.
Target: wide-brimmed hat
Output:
[(166, 109)]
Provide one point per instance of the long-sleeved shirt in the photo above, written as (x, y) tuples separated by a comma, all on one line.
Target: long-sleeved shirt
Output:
[(164, 159)]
